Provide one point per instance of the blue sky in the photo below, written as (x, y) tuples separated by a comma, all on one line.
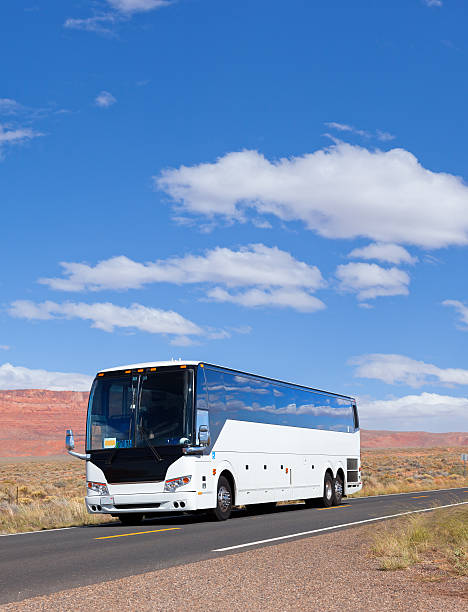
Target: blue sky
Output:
[(276, 187)]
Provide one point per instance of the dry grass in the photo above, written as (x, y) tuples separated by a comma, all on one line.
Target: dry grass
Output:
[(438, 538), (44, 493), (387, 471)]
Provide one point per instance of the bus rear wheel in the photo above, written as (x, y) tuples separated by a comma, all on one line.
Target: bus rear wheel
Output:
[(223, 508), (328, 489), (338, 491), (133, 518)]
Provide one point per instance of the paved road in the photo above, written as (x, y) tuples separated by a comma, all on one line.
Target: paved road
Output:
[(49, 561)]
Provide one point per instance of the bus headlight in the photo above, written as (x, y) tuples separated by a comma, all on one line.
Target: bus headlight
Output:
[(175, 483), (100, 488)]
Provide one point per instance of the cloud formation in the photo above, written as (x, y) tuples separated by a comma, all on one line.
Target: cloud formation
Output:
[(9, 106), (392, 253), (105, 99), (370, 280), (271, 276), (295, 298), (137, 6), (343, 127), (394, 369), (424, 412), (17, 377), (118, 11), (107, 316), (15, 132), (101, 24), (462, 310), (343, 191)]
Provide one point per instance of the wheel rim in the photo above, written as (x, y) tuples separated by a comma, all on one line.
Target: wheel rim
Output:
[(338, 488), (328, 489), (224, 498)]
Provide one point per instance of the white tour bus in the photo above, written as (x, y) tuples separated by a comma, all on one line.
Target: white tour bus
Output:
[(188, 436)]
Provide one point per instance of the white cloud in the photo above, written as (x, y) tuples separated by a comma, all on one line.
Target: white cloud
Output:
[(5, 347), (274, 276), (394, 369), (343, 191), (99, 23), (433, 2), (105, 99), (17, 377), (15, 132), (462, 310), (119, 11), (384, 136), (424, 412), (344, 127), (370, 280), (16, 136), (295, 298), (137, 6), (9, 106), (393, 253), (107, 316)]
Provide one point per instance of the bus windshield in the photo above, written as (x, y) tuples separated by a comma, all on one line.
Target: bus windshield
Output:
[(153, 409)]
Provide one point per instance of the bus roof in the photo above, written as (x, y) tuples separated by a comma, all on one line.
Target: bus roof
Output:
[(152, 364), (179, 362)]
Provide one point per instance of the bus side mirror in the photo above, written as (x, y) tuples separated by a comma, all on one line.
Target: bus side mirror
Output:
[(204, 435), (69, 440)]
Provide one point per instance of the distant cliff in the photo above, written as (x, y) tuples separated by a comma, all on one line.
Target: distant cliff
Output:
[(33, 423)]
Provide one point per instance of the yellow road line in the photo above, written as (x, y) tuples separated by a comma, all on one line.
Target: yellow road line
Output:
[(334, 507), (124, 535), (418, 496)]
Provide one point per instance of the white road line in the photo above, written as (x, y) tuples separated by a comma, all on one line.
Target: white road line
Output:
[(303, 533), (5, 535)]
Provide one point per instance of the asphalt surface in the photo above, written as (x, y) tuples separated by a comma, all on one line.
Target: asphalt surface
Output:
[(48, 561)]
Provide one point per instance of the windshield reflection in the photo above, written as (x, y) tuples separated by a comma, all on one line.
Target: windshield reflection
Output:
[(138, 411)]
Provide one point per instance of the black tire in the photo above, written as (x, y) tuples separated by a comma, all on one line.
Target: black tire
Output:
[(337, 491), (133, 518), (223, 500), (328, 488)]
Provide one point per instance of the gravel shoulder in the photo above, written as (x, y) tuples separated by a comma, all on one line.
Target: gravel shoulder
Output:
[(328, 572)]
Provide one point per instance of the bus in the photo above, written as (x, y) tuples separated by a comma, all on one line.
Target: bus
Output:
[(190, 436)]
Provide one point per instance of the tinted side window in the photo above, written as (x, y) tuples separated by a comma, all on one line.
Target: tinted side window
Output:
[(246, 398)]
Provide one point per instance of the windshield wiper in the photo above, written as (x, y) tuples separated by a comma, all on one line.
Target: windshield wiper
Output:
[(143, 430)]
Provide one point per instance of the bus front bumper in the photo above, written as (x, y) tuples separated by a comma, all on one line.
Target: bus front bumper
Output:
[(142, 503)]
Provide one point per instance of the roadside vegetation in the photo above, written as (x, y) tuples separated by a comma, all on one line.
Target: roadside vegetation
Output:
[(48, 492), (438, 539), (398, 470), (43, 494)]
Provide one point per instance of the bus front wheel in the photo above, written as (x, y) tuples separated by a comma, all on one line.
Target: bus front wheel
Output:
[(328, 491), (223, 508)]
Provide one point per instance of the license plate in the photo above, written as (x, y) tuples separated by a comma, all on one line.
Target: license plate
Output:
[(107, 501)]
